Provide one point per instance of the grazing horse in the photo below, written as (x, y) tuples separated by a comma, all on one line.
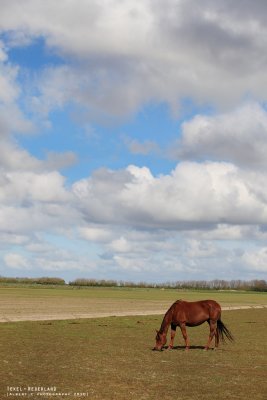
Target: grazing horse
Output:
[(184, 313)]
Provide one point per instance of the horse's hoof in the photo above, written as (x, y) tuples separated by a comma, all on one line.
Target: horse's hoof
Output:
[(187, 349), (170, 348)]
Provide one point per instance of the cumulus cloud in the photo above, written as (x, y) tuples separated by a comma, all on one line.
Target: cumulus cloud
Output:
[(30, 188), (141, 223), (193, 193), (239, 136), (159, 51), (33, 198)]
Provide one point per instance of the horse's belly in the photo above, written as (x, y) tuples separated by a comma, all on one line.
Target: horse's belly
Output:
[(195, 323), (191, 320)]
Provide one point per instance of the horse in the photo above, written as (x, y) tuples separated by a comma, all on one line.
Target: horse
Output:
[(184, 313)]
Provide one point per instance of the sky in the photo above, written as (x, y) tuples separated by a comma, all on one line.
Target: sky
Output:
[(133, 139)]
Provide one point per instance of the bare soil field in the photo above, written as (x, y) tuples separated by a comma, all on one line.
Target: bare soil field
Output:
[(28, 304)]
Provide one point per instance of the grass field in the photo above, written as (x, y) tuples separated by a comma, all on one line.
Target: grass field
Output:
[(111, 358)]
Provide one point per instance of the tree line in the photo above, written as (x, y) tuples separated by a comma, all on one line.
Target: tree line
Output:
[(216, 284), (33, 281)]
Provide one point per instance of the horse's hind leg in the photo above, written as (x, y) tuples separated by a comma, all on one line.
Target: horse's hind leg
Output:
[(217, 339), (213, 328)]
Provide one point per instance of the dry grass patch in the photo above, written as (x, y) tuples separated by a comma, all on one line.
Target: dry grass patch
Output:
[(63, 303)]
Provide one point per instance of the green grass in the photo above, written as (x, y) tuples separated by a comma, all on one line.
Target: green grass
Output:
[(111, 358), (229, 297)]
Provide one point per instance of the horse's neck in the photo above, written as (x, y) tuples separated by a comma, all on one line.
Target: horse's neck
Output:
[(166, 322)]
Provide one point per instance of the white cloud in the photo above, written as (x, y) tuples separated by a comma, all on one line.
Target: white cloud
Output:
[(230, 233), (59, 260), (9, 91), (34, 201), (62, 264), (201, 249), (120, 245), (16, 261), (193, 194), (28, 187), (124, 54), (239, 136), (256, 259), (96, 233), (7, 239), (12, 119), (14, 158)]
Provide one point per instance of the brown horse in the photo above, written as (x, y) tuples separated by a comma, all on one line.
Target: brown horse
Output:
[(184, 313)]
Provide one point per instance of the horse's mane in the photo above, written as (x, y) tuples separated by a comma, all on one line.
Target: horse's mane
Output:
[(168, 315), (178, 301), (173, 305)]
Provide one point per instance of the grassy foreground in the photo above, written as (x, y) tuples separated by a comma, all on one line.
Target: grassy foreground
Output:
[(111, 358)]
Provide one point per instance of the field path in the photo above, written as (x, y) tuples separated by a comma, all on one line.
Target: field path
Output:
[(99, 314), (29, 304)]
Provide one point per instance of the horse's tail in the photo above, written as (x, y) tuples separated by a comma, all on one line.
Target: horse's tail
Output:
[(223, 332)]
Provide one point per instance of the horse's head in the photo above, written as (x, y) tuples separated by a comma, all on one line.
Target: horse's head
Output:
[(161, 339)]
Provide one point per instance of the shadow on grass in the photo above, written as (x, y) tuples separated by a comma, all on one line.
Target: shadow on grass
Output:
[(183, 348)]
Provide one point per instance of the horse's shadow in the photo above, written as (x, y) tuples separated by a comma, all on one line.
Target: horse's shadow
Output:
[(183, 348)]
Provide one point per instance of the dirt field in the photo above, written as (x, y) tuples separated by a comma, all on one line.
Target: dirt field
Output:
[(28, 304)]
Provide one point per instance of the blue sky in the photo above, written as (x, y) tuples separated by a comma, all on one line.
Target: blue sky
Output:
[(99, 142), (133, 140)]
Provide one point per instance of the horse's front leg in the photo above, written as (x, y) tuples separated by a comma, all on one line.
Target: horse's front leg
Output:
[(173, 332), (184, 333)]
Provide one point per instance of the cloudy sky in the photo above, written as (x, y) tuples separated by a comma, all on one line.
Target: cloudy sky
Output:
[(133, 139)]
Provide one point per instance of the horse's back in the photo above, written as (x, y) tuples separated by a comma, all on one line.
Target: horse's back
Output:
[(212, 304), (201, 303), (195, 312), (213, 307)]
